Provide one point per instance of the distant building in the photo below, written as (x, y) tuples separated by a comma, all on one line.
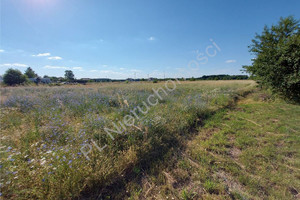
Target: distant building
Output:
[(41, 80), (46, 80), (32, 79)]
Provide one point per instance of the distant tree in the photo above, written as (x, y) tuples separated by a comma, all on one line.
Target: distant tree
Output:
[(69, 75), (277, 58), (13, 77), (60, 79), (30, 73), (54, 79), (46, 76)]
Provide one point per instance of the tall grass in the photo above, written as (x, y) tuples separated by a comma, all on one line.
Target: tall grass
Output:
[(43, 131)]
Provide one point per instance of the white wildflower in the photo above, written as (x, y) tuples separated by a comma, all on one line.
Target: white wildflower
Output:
[(43, 162)]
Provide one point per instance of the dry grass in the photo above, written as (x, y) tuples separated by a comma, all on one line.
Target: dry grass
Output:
[(43, 129)]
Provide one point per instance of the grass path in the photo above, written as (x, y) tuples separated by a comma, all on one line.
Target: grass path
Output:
[(251, 151)]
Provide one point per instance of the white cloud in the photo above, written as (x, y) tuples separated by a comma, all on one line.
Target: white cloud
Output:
[(42, 54), (13, 65), (135, 70), (1, 50), (55, 67), (110, 72), (63, 67), (122, 68), (78, 68), (230, 61), (55, 58), (151, 38), (93, 70)]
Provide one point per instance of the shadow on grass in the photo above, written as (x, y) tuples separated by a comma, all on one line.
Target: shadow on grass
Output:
[(163, 151)]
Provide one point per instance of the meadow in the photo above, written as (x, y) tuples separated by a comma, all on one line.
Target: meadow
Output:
[(97, 141)]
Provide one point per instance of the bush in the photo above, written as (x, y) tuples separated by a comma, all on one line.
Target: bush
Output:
[(13, 77), (277, 62)]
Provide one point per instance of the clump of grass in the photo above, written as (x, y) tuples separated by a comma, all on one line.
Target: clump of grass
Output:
[(211, 187), (187, 195)]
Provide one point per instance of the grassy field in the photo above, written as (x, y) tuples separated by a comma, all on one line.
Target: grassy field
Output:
[(250, 151), (181, 140)]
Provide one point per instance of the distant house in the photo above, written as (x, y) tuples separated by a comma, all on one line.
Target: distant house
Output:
[(42, 80), (32, 80), (151, 79), (46, 80)]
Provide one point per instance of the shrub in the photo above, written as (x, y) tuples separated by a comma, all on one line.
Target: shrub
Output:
[(13, 77), (277, 61)]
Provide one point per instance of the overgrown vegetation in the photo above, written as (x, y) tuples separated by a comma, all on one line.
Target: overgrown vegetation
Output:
[(277, 58), (43, 130), (14, 77), (220, 77), (250, 151)]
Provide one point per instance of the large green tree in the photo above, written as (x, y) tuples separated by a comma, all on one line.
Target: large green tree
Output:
[(69, 75), (30, 73), (277, 58), (13, 77)]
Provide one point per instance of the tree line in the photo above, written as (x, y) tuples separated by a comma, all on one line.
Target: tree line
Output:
[(220, 77), (16, 77)]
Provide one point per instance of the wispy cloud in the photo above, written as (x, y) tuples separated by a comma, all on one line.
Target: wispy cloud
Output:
[(55, 58), (63, 67), (110, 72), (93, 70), (1, 50), (151, 38), (78, 68), (42, 54), (230, 61), (135, 70), (55, 67), (13, 65)]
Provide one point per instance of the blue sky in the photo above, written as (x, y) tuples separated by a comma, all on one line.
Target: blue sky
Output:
[(121, 39)]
